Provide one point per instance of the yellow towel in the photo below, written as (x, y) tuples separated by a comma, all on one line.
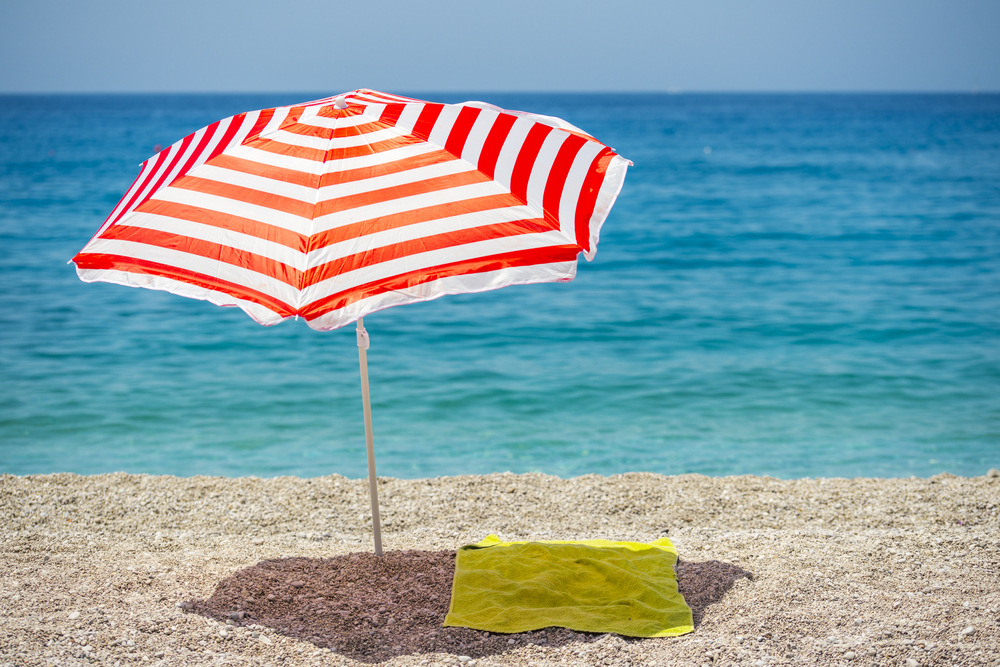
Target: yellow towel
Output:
[(628, 588)]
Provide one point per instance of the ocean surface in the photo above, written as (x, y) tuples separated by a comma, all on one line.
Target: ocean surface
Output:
[(789, 285)]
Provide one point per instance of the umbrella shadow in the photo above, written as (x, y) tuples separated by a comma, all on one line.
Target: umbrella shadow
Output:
[(374, 609), (705, 583)]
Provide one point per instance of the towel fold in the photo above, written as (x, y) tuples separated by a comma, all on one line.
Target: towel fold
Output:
[(628, 588)]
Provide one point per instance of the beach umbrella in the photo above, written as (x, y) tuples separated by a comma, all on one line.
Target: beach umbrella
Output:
[(336, 208)]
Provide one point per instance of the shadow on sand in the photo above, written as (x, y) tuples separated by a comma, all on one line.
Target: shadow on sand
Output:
[(374, 609)]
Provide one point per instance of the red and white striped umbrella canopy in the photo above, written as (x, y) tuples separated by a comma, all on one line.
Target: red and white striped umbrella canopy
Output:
[(333, 209)]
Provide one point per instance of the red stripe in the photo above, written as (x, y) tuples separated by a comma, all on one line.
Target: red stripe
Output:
[(185, 142), (330, 110), (405, 164), (386, 222), (139, 266), (234, 223), (494, 143), (252, 168), (263, 119), (305, 130), (526, 160), (460, 130), (337, 301), (556, 181), (372, 256), (317, 155), (392, 112), (248, 195), (425, 122), (199, 149), (398, 191), (292, 117), (231, 131), (209, 250), (310, 210), (588, 196)]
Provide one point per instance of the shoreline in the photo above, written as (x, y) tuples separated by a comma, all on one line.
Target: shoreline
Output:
[(837, 571)]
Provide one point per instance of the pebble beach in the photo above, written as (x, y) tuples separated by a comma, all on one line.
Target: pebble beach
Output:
[(121, 569)]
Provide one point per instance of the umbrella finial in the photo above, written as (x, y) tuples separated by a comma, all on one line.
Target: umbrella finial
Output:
[(340, 102)]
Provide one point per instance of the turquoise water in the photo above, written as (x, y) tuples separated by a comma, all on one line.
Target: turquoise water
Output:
[(791, 285)]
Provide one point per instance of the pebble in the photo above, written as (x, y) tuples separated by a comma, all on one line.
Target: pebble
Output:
[(968, 631), (849, 655), (737, 523), (73, 615), (910, 662), (464, 659), (993, 472)]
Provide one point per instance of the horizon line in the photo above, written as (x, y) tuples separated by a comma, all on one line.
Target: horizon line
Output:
[(442, 91)]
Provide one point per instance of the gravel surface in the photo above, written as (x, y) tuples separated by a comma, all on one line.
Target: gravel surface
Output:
[(133, 569)]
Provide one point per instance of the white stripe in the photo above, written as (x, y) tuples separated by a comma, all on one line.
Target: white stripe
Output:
[(477, 136), (398, 98), (310, 195), (363, 97), (421, 261), (221, 236), (614, 178), (375, 159), (464, 284), (551, 121), (292, 223), (511, 149), (203, 265), (259, 313), (409, 116), (540, 171), (420, 230), (260, 184), (405, 204), (574, 183), (332, 166), (374, 111), (442, 126)]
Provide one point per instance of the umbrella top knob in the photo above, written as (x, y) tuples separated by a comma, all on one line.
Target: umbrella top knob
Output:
[(340, 102)]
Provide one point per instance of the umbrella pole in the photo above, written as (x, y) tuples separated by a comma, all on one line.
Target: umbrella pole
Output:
[(372, 485)]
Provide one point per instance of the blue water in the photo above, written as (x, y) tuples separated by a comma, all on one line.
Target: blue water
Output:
[(791, 285)]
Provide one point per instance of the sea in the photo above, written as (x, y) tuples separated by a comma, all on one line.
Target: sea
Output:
[(793, 285)]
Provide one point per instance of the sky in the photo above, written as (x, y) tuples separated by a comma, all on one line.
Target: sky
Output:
[(49, 46)]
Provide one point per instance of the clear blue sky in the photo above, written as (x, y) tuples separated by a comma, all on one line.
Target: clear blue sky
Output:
[(516, 45)]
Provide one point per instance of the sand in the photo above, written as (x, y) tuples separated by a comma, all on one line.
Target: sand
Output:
[(132, 569)]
